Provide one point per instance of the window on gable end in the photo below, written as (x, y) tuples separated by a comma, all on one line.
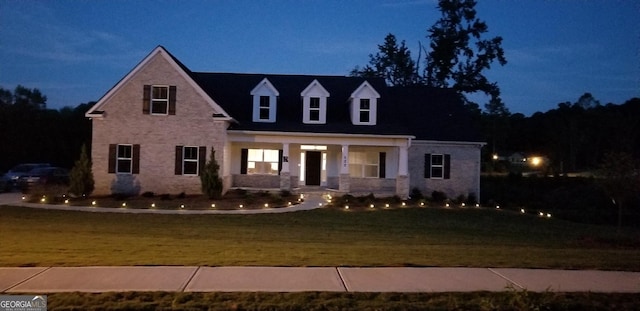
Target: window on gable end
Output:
[(159, 100)]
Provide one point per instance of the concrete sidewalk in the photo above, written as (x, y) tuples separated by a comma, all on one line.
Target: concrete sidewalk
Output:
[(297, 279)]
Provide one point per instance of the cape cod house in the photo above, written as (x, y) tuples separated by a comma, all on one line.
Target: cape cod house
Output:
[(154, 130)]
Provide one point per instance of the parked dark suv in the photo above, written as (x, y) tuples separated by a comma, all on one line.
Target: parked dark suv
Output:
[(12, 177), (45, 176)]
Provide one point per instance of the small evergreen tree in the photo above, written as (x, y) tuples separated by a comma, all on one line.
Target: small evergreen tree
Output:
[(81, 176), (211, 182)]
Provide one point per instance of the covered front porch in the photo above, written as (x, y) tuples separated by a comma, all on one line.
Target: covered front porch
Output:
[(344, 163)]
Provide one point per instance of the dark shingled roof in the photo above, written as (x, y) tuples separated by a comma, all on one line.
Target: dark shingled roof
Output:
[(424, 112), (427, 113)]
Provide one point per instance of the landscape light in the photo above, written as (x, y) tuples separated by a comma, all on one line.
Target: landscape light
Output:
[(266, 205), (153, 205), (94, 202), (346, 207), (43, 199), (548, 215), (213, 205), (522, 210), (541, 214), (497, 206), (181, 205), (446, 205), (66, 201), (124, 204), (477, 205), (421, 203), (289, 203), (319, 204), (386, 205), (241, 206), (404, 204), (371, 206), (24, 197), (463, 205)]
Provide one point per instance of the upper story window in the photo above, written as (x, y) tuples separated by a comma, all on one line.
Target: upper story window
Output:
[(265, 107), (314, 103), (265, 97), (314, 109), (364, 104), (159, 99), (365, 110)]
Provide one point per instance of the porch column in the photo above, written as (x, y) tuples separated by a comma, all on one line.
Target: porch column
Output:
[(344, 183), (402, 180), (285, 174)]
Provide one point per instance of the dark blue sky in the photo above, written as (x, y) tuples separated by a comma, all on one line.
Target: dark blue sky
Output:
[(75, 51)]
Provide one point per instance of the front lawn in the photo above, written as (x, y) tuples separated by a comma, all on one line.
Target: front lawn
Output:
[(414, 236)]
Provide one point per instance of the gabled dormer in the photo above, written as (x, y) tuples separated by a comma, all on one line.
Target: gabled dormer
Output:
[(314, 103), (364, 105), (265, 97)]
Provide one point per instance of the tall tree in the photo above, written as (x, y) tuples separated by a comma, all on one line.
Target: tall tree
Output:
[(210, 179), (459, 54), (29, 97), (393, 63)]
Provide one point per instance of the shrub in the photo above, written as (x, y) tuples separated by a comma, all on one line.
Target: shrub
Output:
[(438, 196), (148, 194), (416, 195), (211, 181), (81, 177)]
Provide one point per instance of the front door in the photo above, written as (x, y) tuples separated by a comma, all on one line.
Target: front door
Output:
[(312, 163)]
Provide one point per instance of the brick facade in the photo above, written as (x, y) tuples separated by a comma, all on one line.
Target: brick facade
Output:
[(158, 135)]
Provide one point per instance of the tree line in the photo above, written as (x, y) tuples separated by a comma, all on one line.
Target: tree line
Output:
[(31, 133)]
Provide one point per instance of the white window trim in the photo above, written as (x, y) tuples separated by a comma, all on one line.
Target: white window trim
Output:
[(185, 160), (277, 161), (118, 159), (264, 88), (152, 99), (314, 90), (364, 165), (441, 166), (364, 91)]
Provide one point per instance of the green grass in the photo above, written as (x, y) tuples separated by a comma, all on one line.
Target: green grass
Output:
[(508, 300), (325, 237)]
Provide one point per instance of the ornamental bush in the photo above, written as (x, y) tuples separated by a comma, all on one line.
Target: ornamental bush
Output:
[(211, 182), (81, 177)]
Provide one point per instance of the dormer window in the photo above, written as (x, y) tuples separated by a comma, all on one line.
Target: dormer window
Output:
[(265, 107), (314, 103), (364, 104), (365, 110), (265, 98)]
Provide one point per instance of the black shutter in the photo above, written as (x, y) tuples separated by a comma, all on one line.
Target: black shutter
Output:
[(447, 166), (382, 173), (280, 154), (146, 99), (244, 159), (135, 165), (172, 101), (112, 158), (427, 165), (202, 159), (178, 163)]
